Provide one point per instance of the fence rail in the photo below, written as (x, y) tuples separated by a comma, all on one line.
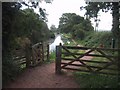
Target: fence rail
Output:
[(40, 53), (31, 56), (92, 60)]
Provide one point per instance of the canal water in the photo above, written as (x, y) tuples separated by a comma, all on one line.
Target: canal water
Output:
[(56, 42)]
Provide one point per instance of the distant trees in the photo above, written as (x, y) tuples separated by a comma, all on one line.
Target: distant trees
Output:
[(53, 28), (74, 24)]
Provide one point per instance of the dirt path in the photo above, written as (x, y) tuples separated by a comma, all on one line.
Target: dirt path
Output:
[(44, 77)]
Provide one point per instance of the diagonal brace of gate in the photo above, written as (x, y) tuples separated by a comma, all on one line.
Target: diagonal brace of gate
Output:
[(78, 58), (108, 64), (105, 55)]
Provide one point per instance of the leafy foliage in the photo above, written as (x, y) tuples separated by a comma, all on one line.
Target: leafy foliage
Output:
[(54, 29), (8, 14), (93, 8), (28, 24), (95, 39), (74, 24), (78, 31), (35, 4), (19, 27)]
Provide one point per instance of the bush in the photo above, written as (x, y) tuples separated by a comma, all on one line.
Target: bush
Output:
[(97, 38), (9, 69), (80, 34), (51, 35)]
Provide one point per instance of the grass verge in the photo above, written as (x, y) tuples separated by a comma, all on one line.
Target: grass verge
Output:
[(52, 56), (86, 80)]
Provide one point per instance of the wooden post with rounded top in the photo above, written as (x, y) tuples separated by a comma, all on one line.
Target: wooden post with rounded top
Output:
[(58, 59)]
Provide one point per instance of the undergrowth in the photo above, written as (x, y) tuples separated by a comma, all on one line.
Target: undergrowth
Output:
[(52, 56), (97, 38), (86, 80)]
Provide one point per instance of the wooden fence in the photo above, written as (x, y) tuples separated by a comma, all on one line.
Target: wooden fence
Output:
[(40, 53), (20, 58), (85, 59), (31, 56)]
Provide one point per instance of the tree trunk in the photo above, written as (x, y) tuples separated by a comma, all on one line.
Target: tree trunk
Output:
[(116, 32), (115, 28)]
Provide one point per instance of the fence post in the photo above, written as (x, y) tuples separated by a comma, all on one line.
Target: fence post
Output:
[(33, 57), (28, 55), (113, 43), (58, 59), (42, 51), (48, 52)]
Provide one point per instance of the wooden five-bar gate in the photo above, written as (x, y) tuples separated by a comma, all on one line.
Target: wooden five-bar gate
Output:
[(85, 59), (31, 55), (40, 53)]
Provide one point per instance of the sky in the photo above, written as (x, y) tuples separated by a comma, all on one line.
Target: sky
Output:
[(58, 7)]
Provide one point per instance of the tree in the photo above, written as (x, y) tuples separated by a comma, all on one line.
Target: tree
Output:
[(87, 25), (93, 8), (72, 23), (70, 18), (28, 24), (78, 31), (35, 4), (53, 28), (18, 25), (92, 12)]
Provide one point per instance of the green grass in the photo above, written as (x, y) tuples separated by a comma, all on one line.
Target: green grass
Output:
[(52, 56), (86, 80), (93, 39), (90, 80)]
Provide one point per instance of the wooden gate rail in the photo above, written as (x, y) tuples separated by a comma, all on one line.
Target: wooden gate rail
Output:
[(103, 67), (20, 60), (89, 55), (31, 56), (40, 53), (37, 55)]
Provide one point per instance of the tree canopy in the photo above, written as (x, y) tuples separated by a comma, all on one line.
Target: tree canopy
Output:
[(74, 24), (93, 8)]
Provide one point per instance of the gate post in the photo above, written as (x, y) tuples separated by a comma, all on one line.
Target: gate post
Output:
[(48, 52), (33, 58), (58, 59), (42, 51), (28, 55)]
